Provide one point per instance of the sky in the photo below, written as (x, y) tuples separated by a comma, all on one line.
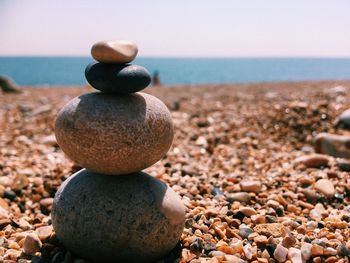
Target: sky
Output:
[(181, 28)]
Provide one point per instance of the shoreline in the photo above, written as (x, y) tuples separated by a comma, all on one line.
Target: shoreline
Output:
[(277, 82)]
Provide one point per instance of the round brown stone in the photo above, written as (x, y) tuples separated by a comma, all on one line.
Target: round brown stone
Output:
[(114, 134), (104, 218)]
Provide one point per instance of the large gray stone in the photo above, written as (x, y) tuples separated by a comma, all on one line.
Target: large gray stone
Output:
[(131, 218), (114, 134)]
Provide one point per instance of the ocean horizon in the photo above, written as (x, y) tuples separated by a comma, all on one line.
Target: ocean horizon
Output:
[(69, 70)]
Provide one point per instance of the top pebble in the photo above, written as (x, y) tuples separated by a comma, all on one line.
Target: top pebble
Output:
[(114, 51)]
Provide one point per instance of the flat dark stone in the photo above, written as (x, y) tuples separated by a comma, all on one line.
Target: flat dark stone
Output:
[(117, 78), (9, 194)]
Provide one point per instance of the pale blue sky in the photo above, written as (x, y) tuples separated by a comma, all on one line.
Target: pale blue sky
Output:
[(185, 28)]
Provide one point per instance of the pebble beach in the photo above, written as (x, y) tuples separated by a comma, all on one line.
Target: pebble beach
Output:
[(242, 160)]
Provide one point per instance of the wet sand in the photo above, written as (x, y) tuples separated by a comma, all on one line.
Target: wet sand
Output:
[(232, 162)]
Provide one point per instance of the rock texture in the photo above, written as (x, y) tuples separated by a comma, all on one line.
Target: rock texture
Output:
[(343, 120), (313, 160), (120, 218), (251, 186), (332, 144), (31, 244), (117, 78), (325, 187), (114, 51), (280, 253), (114, 134), (7, 86)]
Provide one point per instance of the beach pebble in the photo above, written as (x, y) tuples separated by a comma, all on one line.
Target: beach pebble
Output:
[(313, 160), (306, 251), (263, 260), (5, 181), (280, 253), (316, 250), (260, 240), (272, 229), (9, 194), (32, 244), (114, 134), (311, 195), (248, 211), (329, 251), (20, 181), (273, 203), (251, 186), (288, 238), (294, 255), (13, 245), (245, 231), (4, 214), (306, 181), (258, 219), (343, 120), (332, 144), (46, 202), (344, 165), (44, 232), (237, 245), (209, 246), (270, 219), (41, 110), (114, 51), (216, 253), (226, 249), (4, 222), (325, 187), (233, 259), (117, 78), (293, 208), (139, 217), (248, 251), (49, 140), (339, 90), (321, 209), (37, 181), (11, 255), (332, 259), (197, 245), (288, 241), (24, 224), (343, 251), (240, 197)]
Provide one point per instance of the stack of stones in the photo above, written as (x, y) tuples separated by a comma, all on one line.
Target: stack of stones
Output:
[(111, 211)]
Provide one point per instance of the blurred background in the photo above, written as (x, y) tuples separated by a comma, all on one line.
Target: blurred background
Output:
[(186, 42)]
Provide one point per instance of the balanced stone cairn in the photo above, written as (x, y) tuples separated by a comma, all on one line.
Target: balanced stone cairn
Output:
[(111, 211)]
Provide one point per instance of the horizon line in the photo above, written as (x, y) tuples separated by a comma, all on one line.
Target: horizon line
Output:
[(184, 57)]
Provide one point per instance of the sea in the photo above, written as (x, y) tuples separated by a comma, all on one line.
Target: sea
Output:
[(69, 71)]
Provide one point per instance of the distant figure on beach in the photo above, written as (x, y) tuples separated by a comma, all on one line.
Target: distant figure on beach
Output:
[(156, 79), (6, 85)]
